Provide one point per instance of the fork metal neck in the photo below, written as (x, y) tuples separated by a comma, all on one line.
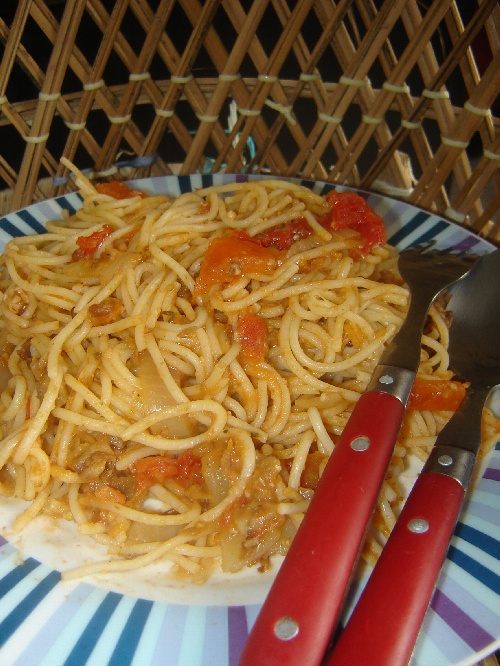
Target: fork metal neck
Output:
[(404, 349), (455, 451), (463, 430), (392, 380)]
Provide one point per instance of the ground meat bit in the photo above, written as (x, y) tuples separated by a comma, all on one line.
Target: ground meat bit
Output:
[(183, 292), (122, 481), (220, 316), (106, 312), (91, 466), (448, 318), (24, 352), (116, 443)]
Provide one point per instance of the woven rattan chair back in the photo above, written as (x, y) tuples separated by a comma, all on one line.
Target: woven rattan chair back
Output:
[(398, 96)]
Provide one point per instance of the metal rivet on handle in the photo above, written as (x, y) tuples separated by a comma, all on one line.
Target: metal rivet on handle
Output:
[(360, 443), (386, 379), (418, 525), (286, 628), (445, 460)]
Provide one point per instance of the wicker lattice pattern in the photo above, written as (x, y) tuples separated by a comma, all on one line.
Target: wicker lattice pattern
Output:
[(398, 96)]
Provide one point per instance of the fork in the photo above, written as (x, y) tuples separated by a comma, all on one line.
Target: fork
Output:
[(298, 617)]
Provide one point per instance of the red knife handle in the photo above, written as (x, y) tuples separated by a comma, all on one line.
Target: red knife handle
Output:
[(305, 600), (386, 621)]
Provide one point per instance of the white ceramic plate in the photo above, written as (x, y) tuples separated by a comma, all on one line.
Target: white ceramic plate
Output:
[(145, 620)]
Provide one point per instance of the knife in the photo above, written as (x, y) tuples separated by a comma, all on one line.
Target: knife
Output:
[(297, 618)]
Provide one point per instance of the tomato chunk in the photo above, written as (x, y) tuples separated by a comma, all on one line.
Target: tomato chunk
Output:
[(186, 469), (350, 211), (230, 257), (252, 334), (118, 190), (88, 245), (436, 394), (284, 236)]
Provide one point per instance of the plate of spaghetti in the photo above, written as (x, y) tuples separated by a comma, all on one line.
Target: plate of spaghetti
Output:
[(178, 357)]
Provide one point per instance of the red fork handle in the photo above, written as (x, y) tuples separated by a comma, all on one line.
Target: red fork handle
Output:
[(296, 621), (386, 621)]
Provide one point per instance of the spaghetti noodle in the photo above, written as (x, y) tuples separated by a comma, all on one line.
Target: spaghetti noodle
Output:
[(176, 371)]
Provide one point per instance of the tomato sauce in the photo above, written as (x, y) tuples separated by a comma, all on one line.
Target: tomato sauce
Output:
[(252, 334), (186, 470)]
